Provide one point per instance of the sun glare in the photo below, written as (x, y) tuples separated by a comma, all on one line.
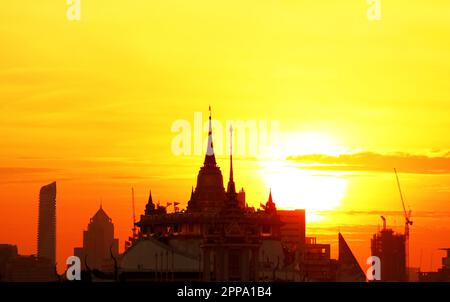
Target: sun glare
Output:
[(296, 188), (293, 185), (290, 144)]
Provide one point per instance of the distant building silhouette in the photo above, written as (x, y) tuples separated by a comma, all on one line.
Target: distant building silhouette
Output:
[(29, 268), (47, 223), (7, 252), (349, 269), (294, 228), (390, 248), (316, 263), (32, 268), (24, 268), (241, 198), (98, 242)]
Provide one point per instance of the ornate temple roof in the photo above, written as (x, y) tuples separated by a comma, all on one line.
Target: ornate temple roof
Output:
[(209, 203), (209, 194)]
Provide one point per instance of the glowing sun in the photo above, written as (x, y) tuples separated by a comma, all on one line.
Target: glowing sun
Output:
[(293, 185)]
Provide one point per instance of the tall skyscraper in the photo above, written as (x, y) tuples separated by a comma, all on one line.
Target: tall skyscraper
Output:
[(47, 223)]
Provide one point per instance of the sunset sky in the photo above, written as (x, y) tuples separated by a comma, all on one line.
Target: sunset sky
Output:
[(91, 104)]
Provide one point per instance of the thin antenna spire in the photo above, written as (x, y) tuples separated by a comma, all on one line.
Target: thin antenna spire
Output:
[(231, 186), (134, 212), (210, 159), (231, 152)]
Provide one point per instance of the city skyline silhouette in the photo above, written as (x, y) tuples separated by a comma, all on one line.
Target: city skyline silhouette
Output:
[(115, 98), (207, 198)]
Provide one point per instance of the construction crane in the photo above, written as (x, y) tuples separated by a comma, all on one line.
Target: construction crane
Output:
[(408, 221), (384, 222)]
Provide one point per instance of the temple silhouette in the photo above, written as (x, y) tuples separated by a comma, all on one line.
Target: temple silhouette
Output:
[(218, 237)]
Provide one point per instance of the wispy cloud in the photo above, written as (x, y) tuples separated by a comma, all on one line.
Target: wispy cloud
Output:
[(29, 175), (23, 170), (421, 214), (370, 161)]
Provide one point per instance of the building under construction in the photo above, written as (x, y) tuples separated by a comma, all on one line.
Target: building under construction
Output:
[(393, 248), (390, 247)]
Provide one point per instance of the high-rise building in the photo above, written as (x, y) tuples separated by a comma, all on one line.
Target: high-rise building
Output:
[(390, 248), (293, 228), (47, 223), (98, 242)]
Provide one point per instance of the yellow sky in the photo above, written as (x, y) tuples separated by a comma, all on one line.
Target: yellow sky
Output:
[(320, 66), (91, 103)]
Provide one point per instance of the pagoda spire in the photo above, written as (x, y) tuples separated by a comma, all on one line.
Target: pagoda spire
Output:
[(270, 200), (270, 206), (231, 186), (150, 198), (210, 158), (150, 207)]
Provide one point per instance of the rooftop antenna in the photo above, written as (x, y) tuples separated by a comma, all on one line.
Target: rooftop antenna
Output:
[(420, 263), (134, 213), (408, 221)]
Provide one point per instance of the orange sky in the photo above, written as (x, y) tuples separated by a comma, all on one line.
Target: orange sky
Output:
[(91, 104)]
